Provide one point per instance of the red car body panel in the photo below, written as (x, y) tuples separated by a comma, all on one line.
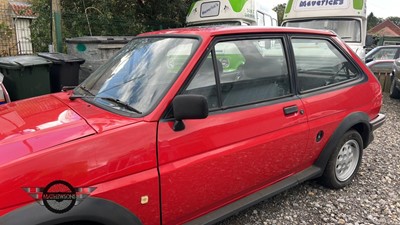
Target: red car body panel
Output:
[(212, 154), (119, 157), (31, 126), (186, 174), (327, 117), (374, 89), (99, 119)]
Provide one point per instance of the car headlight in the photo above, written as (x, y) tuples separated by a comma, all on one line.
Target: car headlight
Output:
[(225, 62)]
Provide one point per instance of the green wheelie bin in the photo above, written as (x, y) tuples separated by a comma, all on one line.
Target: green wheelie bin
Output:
[(64, 71), (25, 76)]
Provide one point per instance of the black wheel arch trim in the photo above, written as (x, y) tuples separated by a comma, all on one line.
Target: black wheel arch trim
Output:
[(359, 121), (92, 209)]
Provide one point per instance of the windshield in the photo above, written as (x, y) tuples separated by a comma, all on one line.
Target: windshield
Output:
[(348, 29), (139, 75)]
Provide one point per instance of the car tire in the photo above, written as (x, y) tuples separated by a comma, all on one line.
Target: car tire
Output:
[(344, 162), (394, 92)]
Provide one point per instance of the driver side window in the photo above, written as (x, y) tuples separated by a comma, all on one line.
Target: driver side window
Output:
[(204, 83), (385, 53), (242, 72)]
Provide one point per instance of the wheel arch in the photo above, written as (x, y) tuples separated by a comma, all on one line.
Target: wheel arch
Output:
[(94, 210), (364, 130), (358, 121)]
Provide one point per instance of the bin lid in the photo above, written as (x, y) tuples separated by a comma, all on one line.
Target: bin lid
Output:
[(100, 39), (58, 58), (16, 62)]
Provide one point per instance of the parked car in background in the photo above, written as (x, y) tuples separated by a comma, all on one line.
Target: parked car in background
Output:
[(164, 134), (395, 86), (383, 71), (384, 66), (383, 53)]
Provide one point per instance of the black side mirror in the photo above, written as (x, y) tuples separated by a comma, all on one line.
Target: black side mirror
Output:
[(367, 60), (188, 107)]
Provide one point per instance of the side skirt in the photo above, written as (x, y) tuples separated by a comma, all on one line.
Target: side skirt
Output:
[(228, 210)]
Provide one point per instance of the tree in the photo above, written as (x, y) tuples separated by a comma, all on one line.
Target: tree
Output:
[(395, 20), (99, 18), (5, 35), (280, 11), (107, 17), (372, 21), (5, 31), (41, 26), (162, 14)]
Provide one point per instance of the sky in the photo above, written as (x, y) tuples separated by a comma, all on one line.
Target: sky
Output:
[(380, 8)]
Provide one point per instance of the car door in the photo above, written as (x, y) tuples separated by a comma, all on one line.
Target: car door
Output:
[(255, 134)]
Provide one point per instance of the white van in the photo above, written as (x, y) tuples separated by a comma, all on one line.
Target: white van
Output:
[(226, 12), (347, 18)]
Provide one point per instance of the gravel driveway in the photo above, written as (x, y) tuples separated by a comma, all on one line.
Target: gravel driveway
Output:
[(372, 198)]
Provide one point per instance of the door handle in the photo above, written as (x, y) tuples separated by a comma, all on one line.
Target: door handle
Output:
[(290, 110)]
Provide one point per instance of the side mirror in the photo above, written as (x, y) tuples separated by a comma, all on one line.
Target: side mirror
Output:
[(188, 107), (367, 60)]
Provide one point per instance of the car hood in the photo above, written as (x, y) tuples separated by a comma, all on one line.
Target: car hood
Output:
[(35, 124)]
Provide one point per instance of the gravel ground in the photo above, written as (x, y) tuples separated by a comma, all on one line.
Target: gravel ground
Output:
[(372, 198)]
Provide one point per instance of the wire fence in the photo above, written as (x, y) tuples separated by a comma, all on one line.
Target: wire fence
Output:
[(107, 18), (108, 22), (27, 35), (8, 44)]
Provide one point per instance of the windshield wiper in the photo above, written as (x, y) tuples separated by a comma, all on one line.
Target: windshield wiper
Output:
[(73, 97), (86, 90), (114, 100), (124, 104)]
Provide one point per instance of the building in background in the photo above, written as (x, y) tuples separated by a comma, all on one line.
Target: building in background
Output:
[(386, 33), (15, 34)]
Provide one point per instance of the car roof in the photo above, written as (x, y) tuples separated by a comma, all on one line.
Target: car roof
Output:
[(388, 46), (225, 30)]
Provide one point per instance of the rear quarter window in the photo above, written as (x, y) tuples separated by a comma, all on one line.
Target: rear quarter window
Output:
[(320, 64)]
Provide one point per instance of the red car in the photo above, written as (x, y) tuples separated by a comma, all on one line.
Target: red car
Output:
[(189, 126)]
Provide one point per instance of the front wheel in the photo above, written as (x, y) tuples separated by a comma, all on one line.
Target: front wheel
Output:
[(344, 161)]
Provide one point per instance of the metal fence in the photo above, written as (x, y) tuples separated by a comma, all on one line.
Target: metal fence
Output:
[(15, 34), (385, 79), (8, 45)]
